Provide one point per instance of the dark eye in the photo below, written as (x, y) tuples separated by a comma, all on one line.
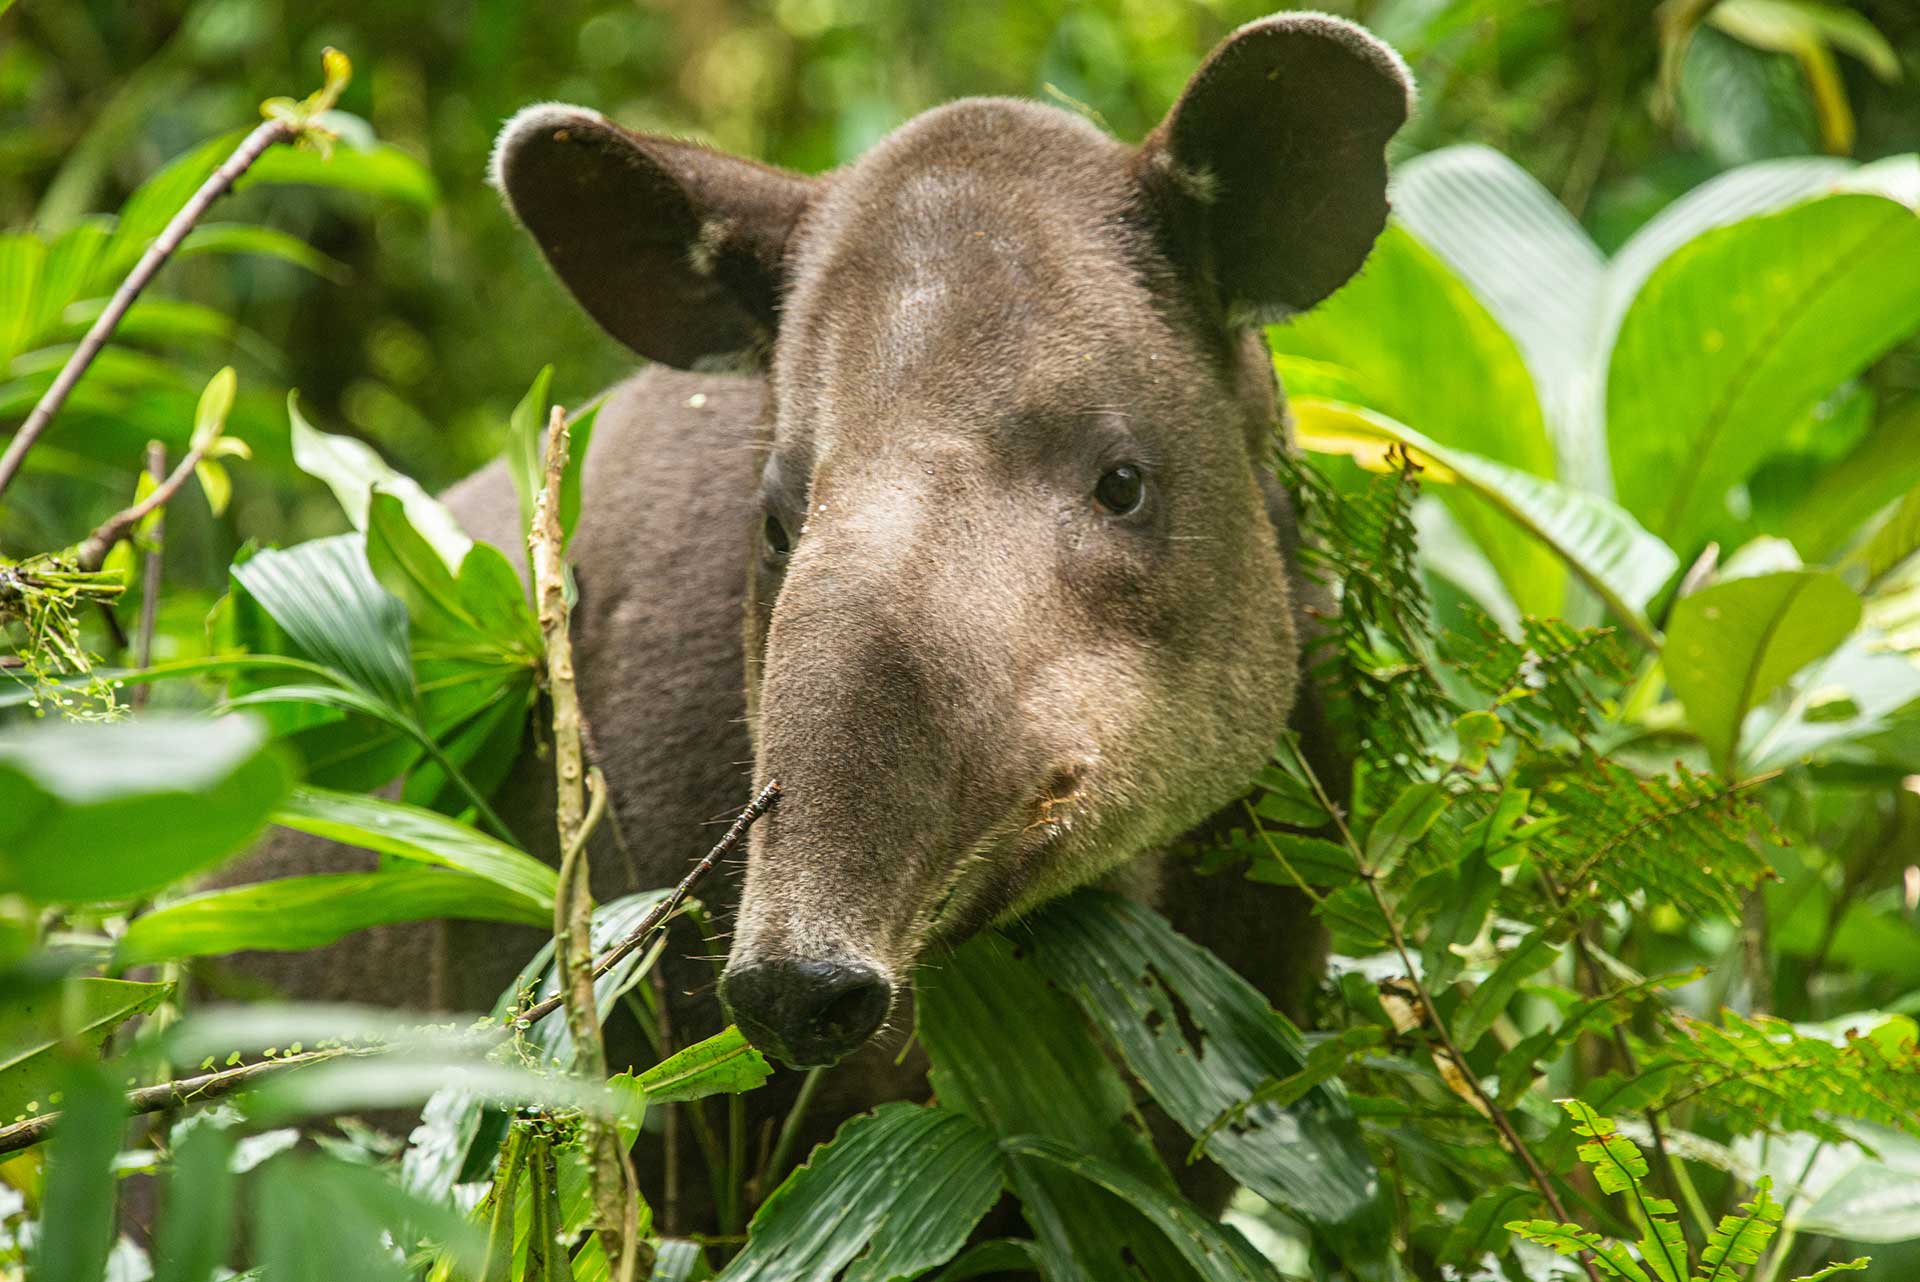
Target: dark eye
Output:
[(776, 536), (1121, 489)]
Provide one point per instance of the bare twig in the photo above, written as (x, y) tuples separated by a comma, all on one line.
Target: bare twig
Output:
[(189, 1090), (609, 1177), (251, 148), (150, 579), (658, 914), (93, 549)]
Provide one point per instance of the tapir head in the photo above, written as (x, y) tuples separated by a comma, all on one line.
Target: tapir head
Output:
[(1020, 604)]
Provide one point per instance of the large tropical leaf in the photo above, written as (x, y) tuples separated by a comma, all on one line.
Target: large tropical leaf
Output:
[(93, 812), (327, 602), (1201, 1039), (1013, 1053), (409, 832), (1606, 548), (894, 1194), (1532, 265), (1423, 351), (352, 470), (1733, 644), (294, 913), (36, 1026), (1738, 335)]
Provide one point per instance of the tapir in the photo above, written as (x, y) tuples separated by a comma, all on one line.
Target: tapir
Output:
[(947, 500)]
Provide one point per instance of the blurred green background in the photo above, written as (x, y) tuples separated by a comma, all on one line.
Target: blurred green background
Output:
[(442, 312)]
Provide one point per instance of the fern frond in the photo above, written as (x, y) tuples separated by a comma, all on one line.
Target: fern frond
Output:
[(1766, 1074), (1685, 838), (1571, 1239), (1739, 1239)]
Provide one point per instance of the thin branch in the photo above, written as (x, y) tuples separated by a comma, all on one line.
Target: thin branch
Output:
[(658, 914), (92, 552), (609, 1174), (251, 148), (176, 1094)]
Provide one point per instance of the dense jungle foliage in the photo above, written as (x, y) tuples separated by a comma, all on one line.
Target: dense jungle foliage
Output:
[(1611, 455)]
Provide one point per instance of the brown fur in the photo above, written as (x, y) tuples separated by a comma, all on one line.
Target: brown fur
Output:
[(978, 688)]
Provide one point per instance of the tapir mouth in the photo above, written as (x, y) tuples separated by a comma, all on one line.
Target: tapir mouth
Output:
[(988, 880)]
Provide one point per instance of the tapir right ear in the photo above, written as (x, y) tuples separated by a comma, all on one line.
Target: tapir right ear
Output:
[(674, 248), (1273, 161)]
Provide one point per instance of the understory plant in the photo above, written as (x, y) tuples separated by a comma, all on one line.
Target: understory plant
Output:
[(1623, 973)]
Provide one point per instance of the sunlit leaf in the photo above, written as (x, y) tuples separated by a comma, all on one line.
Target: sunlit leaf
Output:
[(36, 1025)]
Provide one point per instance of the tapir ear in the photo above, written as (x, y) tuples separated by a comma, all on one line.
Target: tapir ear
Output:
[(1274, 159), (674, 248)]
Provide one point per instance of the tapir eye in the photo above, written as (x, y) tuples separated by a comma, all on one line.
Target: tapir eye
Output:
[(1121, 490), (778, 544)]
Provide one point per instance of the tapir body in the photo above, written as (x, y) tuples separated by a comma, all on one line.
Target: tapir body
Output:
[(980, 553)]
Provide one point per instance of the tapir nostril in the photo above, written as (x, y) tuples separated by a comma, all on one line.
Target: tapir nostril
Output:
[(805, 1011)]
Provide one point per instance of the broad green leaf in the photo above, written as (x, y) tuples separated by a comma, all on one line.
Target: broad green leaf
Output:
[(1534, 267), (1609, 551), (1733, 644), (995, 1257), (1427, 354), (1878, 471), (268, 242), (351, 469), (318, 1218), (76, 1213), (1201, 1039), (1489, 1000), (1012, 1052), (35, 1025), (894, 1194), (23, 256), (1403, 823), (296, 913), (328, 603), (100, 812), (480, 611), (1215, 1251), (409, 832), (194, 1237), (1741, 333), (723, 1064), (1873, 1198), (379, 169), (524, 456)]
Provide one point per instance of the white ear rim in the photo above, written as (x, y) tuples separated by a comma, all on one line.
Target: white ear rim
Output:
[(1377, 50), (537, 118)]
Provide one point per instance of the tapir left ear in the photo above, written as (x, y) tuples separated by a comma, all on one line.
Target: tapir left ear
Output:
[(1273, 164), (677, 250)]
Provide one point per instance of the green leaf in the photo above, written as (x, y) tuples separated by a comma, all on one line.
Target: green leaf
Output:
[(1731, 645), (216, 402), (1609, 551), (1201, 1039), (266, 242), (1738, 1239), (894, 1194), (1427, 354), (378, 169), (1012, 1052), (35, 1025), (409, 832), (1215, 1251), (194, 1237), (101, 812), (723, 1064), (480, 610), (1534, 267), (325, 598), (1403, 824), (1489, 1000), (23, 256), (76, 1212), (296, 913), (1571, 1239), (1740, 334), (352, 470), (524, 456)]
